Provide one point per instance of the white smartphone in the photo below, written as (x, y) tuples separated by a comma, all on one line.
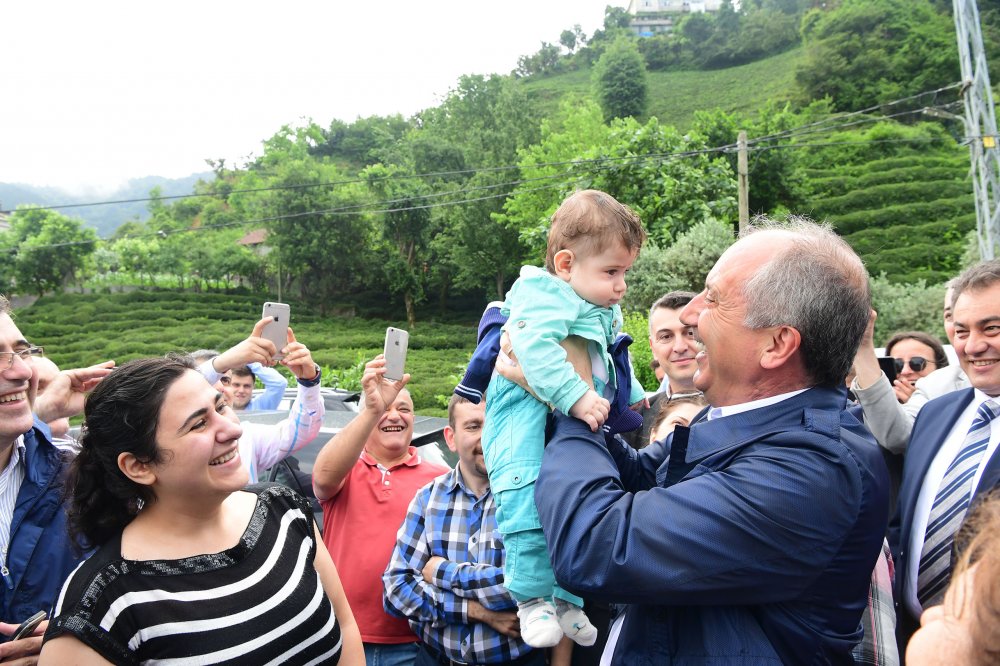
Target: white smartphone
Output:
[(396, 341), (276, 331)]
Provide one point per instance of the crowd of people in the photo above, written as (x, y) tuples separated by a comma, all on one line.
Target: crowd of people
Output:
[(775, 500)]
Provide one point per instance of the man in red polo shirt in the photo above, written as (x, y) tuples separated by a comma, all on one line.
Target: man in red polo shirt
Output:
[(365, 478)]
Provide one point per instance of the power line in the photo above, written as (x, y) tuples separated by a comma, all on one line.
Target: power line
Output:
[(354, 209), (458, 172)]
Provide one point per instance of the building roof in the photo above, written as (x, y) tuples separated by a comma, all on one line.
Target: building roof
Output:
[(255, 237)]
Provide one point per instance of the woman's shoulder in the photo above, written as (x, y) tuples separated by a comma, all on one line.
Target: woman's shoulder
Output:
[(275, 496)]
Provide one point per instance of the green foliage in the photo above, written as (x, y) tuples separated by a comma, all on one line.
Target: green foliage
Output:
[(907, 307), (637, 326), (670, 192), (682, 265), (775, 176), (620, 81), (44, 250), (152, 323), (861, 52), (363, 142)]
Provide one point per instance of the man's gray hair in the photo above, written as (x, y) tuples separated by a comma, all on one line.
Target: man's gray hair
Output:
[(4, 305), (202, 355), (983, 275), (817, 285)]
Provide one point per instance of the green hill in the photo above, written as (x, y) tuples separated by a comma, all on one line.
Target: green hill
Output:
[(153, 323), (675, 96)]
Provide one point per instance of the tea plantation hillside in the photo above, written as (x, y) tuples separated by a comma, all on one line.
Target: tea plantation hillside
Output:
[(675, 96), (83, 329), (907, 216)]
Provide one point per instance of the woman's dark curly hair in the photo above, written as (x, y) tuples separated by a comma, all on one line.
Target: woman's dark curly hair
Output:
[(121, 416)]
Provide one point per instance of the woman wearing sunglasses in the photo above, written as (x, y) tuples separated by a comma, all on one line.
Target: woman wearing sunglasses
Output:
[(916, 355)]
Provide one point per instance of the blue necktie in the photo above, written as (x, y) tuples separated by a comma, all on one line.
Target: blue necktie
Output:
[(949, 508)]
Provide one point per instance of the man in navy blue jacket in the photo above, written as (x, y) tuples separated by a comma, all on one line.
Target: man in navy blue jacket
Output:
[(949, 468), (35, 550), (750, 537)]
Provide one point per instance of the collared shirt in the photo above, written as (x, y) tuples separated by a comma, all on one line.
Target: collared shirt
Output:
[(446, 519), (10, 485), (729, 410), (359, 528), (932, 481)]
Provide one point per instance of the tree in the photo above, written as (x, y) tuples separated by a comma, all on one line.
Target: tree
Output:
[(488, 119), (666, 178), (51, 249), (405, 231), (619, 80), (776, 178), (862, 53)]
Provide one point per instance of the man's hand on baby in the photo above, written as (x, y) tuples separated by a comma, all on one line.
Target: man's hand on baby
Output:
[(592, 409)]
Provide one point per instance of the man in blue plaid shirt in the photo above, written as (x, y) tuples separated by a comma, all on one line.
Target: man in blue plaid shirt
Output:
[(446, 572)]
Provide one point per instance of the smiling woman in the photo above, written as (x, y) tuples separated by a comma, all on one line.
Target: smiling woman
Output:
[(189, 566)]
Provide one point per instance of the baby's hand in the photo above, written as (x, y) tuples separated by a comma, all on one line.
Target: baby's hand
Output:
[(591, 409)]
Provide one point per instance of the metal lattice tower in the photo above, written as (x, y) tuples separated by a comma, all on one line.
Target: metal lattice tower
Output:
[(980, 125)]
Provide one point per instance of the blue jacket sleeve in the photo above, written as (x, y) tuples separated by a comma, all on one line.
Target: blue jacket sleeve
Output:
[(274, 387), (755, 531)]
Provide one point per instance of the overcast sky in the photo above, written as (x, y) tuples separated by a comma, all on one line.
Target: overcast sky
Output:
[(99, 92)]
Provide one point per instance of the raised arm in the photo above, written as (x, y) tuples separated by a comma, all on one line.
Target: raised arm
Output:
[(338, 456), (254, 349), (884, 415)]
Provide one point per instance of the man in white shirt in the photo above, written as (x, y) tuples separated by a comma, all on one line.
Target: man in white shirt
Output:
[(952, 460)]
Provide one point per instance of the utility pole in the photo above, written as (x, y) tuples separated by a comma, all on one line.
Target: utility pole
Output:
[(742, 182), (980, 125)]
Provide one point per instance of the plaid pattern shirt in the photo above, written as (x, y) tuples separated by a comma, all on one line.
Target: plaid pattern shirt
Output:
[(878, 647), (446, 519)]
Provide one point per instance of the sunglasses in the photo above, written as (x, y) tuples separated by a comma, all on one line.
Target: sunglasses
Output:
[(917, 363)]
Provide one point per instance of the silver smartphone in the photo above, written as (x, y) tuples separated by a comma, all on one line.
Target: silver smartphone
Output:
[(396, 341), (28, 626), (276, 331)]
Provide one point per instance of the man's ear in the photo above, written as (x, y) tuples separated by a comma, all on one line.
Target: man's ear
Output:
[(136, 470), (781, 345), (449, 439), (563, 262)]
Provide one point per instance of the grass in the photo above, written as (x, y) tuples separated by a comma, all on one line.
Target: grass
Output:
[(82, 329), (675, 96)]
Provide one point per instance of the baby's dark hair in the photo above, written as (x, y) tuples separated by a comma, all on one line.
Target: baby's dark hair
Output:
[(121, 416)]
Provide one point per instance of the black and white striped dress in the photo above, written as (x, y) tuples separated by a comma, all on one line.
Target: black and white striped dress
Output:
[(260, 602)]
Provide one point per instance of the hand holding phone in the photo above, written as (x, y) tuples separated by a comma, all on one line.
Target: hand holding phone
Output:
[(888, 366), (396, 342), (28, 627), (276, 331)]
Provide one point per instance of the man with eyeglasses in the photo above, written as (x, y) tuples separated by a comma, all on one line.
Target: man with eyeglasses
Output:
[(35, 552)]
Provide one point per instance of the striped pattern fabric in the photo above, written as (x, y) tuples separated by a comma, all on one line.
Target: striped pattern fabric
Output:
[(11, 479), (950, 506), (260, 602)]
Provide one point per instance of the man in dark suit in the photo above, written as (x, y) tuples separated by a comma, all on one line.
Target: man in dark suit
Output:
[(952, 459), (749, 537)]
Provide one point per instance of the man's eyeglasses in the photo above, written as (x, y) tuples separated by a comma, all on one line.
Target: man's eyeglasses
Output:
[(917, 363), (7, 358), (226, 380)]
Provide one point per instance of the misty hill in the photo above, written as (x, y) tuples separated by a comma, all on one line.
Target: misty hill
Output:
[(104, 218)]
